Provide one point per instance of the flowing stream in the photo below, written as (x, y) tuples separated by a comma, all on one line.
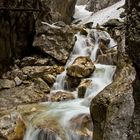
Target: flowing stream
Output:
[(70, 120)]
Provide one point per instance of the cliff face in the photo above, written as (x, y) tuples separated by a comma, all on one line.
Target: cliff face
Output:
[(116, 110), (133, 49), (17, 27), (16, 32), (133, 31)]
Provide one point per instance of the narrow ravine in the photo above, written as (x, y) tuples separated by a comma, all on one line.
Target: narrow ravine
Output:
[(70, 120)]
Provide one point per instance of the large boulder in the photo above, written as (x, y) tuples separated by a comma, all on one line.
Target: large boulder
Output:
[(82, 67), (96, 5), (56, 41)]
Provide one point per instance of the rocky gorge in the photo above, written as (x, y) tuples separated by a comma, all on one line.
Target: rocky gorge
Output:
[(68, 73)]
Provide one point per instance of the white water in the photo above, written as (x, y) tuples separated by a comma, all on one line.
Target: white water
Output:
[(63, 112), (99, 17)]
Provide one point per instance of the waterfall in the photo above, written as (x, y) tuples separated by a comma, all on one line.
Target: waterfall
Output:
[(70, 120), (64, 112)]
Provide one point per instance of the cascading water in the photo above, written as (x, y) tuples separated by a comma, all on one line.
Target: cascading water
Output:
[(64, 112), (58, 118)]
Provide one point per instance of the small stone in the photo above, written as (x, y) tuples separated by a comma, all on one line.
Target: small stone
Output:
[(33, 109), (17, 81)]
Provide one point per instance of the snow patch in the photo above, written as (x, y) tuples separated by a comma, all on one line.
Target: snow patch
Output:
[(100, 17)]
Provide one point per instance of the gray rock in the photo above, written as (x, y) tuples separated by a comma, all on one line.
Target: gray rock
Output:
[(82, 2), (17, 81), (113, 108), (96, 5), (41, 85), (57, 10), (55, 41)]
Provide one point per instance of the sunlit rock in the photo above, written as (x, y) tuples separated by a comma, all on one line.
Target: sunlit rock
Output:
[(12, 126), (36, 71), (82, 67), (19, 130)]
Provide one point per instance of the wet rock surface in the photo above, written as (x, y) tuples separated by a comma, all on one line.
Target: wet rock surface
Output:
[(61, 96), (82, 67), (112, 109), (84, 132), (82, 88), (71, 83)]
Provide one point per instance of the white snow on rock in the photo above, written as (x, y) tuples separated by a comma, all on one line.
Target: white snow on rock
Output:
[(100, 17)]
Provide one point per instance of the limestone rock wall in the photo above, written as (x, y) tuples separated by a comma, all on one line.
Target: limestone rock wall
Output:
[(116, 110), (112, 109), (133, 49), (17, 28), (59, 10), (16, 32)]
